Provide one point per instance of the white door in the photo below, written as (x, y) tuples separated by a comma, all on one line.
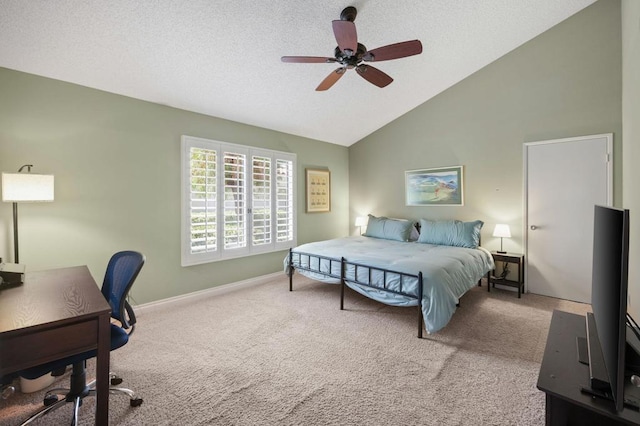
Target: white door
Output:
[(564, 179)]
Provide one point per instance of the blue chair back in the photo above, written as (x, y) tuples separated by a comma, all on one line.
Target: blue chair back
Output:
[(122, 270)]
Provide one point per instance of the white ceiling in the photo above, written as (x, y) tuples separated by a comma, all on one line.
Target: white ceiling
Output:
[(222, 57)]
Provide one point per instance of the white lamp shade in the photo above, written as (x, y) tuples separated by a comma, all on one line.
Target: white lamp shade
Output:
[(361, 221), (26, 187), (502, 231)]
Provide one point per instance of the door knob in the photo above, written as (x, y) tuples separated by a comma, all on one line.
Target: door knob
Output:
[(533, 227)]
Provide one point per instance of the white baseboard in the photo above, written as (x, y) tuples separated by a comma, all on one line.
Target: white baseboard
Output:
[(213, 291)]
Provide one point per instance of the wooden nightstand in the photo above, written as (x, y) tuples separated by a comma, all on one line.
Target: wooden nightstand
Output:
[(507, 258)]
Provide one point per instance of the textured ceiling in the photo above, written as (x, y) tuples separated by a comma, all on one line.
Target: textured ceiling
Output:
[(222, 57)]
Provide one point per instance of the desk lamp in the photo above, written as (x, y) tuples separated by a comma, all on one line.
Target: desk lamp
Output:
[(360, 222), (25, 188), (502, 231)]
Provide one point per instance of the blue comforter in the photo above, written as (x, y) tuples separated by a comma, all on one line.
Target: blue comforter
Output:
[(448, 272)]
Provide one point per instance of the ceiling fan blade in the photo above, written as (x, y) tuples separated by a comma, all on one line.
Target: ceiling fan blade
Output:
[(331, 79), (394, 51), (307, 59), (373, 75), (346, 36)]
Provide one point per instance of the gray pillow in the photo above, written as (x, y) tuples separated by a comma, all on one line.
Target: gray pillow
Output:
[(450, 233)]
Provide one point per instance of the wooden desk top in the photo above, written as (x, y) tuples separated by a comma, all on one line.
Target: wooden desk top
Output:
[(56, 295), (55, 314)]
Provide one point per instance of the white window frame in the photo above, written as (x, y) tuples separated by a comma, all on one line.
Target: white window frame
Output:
[(189, 258)]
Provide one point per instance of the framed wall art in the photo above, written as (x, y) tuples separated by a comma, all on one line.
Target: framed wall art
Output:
[(318, 190), (434, 187)]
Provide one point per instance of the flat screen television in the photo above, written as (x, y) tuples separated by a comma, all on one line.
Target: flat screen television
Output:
[(609, 285)]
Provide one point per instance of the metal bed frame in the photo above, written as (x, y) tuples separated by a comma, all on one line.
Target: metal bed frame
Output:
[(356, 279)]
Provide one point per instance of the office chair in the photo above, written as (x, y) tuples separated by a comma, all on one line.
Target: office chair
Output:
[(122, 270)]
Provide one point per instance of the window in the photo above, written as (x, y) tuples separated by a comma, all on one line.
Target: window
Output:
[(236, 200)]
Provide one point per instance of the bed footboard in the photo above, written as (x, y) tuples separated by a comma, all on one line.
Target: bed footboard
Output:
[(314, 264), (382, 285), (361, 275)]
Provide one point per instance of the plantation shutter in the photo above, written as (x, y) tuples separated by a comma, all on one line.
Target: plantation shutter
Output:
[(284, 201), (236, 201), (202, 201), (261, 200)]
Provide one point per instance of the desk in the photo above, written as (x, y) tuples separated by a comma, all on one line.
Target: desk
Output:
[(55, 314), (561, 376)]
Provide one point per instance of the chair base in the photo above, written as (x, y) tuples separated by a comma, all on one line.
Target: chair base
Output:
[(77, 402), (77, 393)]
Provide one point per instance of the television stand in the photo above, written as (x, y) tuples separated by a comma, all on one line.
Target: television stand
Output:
[(562, 377), (629, 402)]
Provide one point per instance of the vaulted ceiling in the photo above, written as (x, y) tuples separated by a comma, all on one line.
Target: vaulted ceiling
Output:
[(222, 57)]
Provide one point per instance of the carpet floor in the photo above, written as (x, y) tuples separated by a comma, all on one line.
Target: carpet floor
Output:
[(267, 356)]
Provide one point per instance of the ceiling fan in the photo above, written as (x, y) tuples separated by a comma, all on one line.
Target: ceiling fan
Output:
[(351, 54)]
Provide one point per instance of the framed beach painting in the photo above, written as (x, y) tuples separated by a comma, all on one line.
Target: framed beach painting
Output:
[(434, 187), (318, 191)]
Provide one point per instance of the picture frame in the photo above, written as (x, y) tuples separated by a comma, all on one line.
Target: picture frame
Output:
[(442, 186), (318, 189)]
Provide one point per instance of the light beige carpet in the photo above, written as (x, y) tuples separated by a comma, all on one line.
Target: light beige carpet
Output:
[(267, 356)]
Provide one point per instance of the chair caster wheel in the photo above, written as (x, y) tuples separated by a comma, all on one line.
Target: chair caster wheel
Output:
[(50, 400), (116, 381), (136, 402)]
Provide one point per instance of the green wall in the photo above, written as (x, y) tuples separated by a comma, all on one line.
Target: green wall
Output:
[(116, 159), (631, 138), (116, 162), (565, 82)]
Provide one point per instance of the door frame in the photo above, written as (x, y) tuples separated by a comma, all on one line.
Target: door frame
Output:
[(525, 192)]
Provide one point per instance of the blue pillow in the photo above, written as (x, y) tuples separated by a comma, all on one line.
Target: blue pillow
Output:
[(450, 233), (388, 229)]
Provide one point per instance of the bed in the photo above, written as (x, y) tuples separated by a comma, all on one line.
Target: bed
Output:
[(431, 272)]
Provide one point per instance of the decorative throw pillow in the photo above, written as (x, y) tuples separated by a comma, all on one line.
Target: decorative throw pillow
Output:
[(450, 233)]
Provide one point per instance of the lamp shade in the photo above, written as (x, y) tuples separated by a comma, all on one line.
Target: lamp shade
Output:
[(502, 231), (361, 221), (26, 187)]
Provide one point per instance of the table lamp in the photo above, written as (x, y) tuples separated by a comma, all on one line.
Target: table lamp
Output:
[(25, 188), (502, 231), (360, 222)]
